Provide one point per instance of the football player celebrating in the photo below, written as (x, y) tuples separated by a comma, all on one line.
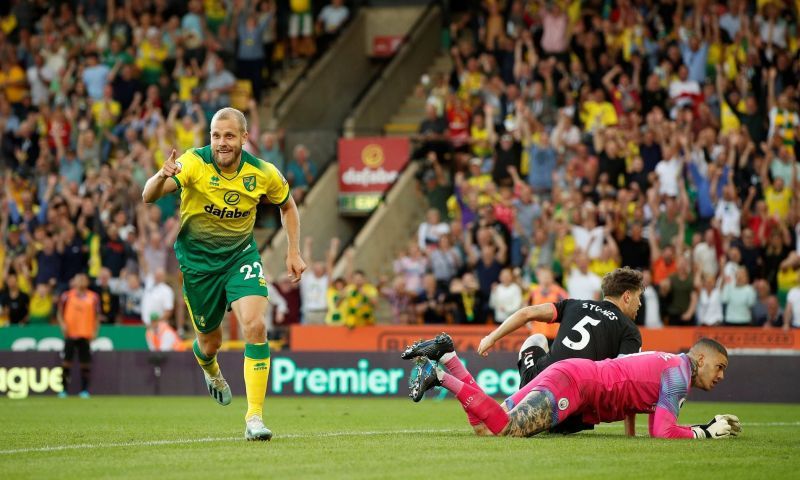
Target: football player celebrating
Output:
[(221, 185)]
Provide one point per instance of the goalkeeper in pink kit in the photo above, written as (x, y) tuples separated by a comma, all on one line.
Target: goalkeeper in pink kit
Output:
[(656, 383)]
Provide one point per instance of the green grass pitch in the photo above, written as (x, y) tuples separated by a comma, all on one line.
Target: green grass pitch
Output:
[(192, 437)]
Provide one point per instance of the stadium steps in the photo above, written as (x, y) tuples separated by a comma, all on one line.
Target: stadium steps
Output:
[(401, 129), (287, 79), (406, 120), (264, 230), (376, 238), (388, 230), (412, 106)]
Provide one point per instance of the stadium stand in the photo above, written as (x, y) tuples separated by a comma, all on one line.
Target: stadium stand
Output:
[(94, 96), (581, 136)]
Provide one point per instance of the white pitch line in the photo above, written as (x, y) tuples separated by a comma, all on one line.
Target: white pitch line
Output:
[(774, 424), (154, 443), (149, 443), (748, 424)]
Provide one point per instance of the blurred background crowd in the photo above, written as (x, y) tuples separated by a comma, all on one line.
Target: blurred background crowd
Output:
[(570, 138), (94, 94)]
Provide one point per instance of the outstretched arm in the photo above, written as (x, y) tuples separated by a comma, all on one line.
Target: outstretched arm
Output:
[(200, 125), (174, 227), (330, 257), (608, 78), (772, 73), (307, 250), (545, 312), (291, 222), (160, 184), (655, 250), (663, 422)]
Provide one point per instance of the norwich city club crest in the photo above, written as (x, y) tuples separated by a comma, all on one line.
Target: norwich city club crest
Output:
[(249, 182)]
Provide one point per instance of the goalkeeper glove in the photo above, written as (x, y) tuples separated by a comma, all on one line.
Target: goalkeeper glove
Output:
[(733, 421), (720, 426)]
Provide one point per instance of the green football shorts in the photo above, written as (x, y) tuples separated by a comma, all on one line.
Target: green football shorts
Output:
[(209, 295)]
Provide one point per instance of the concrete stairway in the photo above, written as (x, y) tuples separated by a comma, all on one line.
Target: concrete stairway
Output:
[(285, 81), (408, 117)]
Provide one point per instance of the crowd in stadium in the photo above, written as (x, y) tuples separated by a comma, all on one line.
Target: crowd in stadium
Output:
[(95, 94), (575, 137), (570, 138)]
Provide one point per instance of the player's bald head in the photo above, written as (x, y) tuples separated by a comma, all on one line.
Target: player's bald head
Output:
[(708, 345), (230, 113), (709, 360)]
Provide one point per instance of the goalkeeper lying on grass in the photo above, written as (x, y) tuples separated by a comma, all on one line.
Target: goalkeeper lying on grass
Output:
[(656, 383)]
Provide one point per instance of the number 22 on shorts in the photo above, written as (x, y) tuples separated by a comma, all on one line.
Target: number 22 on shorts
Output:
[(247, 269)]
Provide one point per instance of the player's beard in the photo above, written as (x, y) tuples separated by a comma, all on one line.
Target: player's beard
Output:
[(229, 158), (628, 311)]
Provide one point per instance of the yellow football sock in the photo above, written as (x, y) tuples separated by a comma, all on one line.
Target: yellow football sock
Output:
[(209, 364), (256, 374)]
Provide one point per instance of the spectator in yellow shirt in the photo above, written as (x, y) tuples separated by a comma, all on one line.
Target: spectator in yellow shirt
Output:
[(481, 136), (478, 179), (13, 83), (215, 14), (189, 131), (106, 111), (41, 305), (361, 299), (336, 297), (778, 198), (151, 56), (609, 259), (187, 74), (471, 78), (597, 112), (301, 28)]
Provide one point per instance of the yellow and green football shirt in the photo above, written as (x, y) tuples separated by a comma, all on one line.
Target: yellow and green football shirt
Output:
[(218, 210)]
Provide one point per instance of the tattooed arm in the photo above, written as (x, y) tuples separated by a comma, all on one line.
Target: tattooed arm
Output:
[(534, 414)]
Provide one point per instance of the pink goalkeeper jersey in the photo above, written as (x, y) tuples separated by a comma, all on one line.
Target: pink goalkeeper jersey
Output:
[(649, 382)]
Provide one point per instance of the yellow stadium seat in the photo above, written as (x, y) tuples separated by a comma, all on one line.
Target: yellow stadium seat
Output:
[(241, 94)]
